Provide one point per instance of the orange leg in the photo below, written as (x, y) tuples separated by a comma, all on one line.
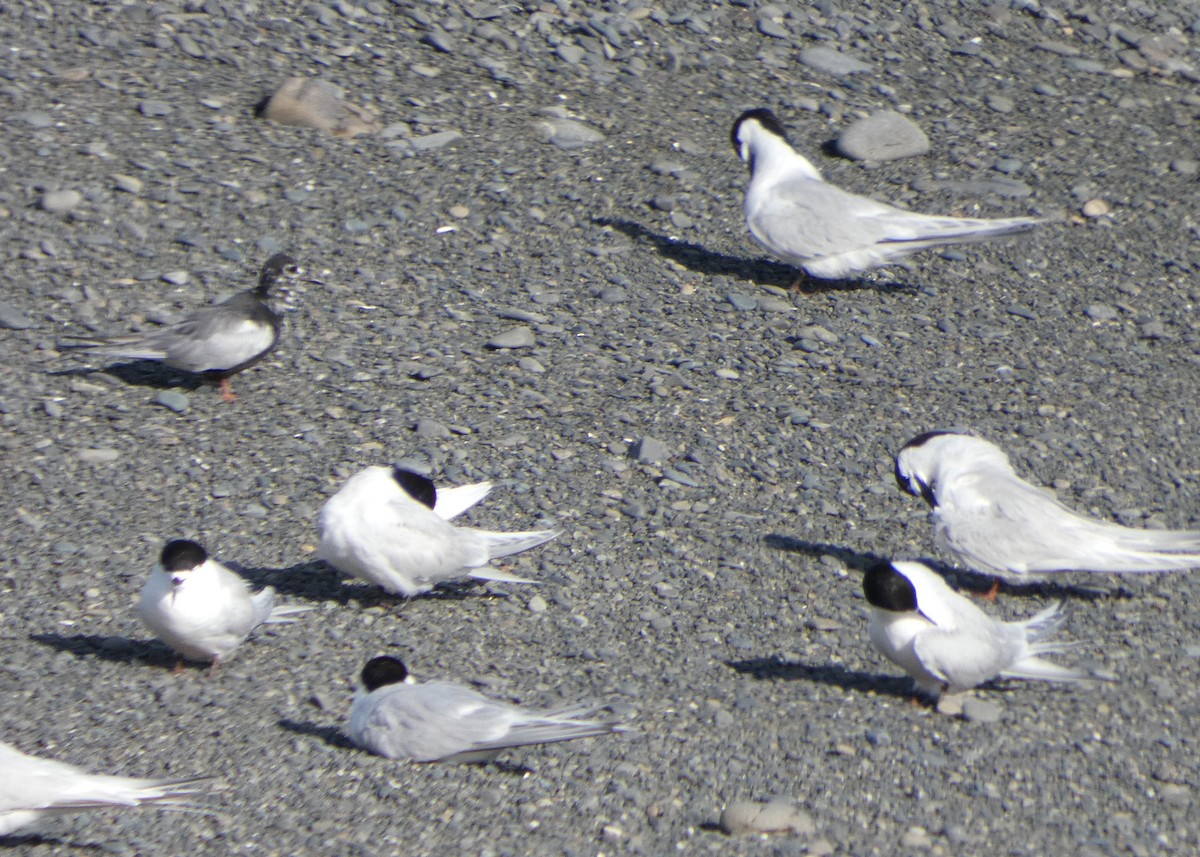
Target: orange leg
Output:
[(991, 594), (227, 393), (179, 668)]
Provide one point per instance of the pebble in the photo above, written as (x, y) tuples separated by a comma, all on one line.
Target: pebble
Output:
[(743, 303), (780, 815), (61, 201), (648, 450), (565, 133), (172, 400), (516, 337), (536, 604), (99, 456), (154, 107), (176, 278), (833, 62), (426, 427), (127, 184), (1101, 312), (883, 136), (12, 318), (978, 710), (1095, 208), (916, 839), (436, 140), (305, 102)]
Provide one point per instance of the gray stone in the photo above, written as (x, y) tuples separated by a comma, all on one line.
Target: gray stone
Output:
[(1101, 312), (566, 133), (572, 54), (516, 337), (832, 62), (978, 710), (777, 816), (431, 428), (883, 136), (99, 456), (61, 201), (172, 400), (12, 318), (741, 302), (154, 107), (648, 450), (436, 140)]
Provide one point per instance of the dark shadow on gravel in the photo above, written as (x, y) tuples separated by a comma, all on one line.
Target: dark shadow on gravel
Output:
[(142, 373), (331, 735), (773, 669), (318, 581), (763, 272), (119, 650), (967, 581)]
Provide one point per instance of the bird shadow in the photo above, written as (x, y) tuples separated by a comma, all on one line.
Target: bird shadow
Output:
[(331, 735), (970, 582), (316, 580), (119, 650), (140, 373), (774, 669), (762, 272)]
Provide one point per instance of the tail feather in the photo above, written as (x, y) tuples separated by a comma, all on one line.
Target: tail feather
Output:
[(1039, 627), (507, 544), (1034, 668), (935, 231), (452, 502), (129, 347), (267, 609), (552, 730), (489, 573), (125, 791)]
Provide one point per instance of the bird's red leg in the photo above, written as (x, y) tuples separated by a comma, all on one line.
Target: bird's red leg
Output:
[(227, 393), (179, 667)]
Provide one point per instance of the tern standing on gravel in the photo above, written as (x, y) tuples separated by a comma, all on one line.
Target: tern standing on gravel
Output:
[(945, 642), (217, 341), (828, 232), (200, 608), (33, 788), (999, 524), (391, 527), (440, 721)]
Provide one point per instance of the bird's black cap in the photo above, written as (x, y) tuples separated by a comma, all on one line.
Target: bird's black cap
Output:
[(382, 671), (419, 487), (765, 118), (181, 555), (273, 269), (888, 589)]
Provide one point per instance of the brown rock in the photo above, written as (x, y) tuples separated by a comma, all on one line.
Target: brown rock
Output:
[(310, 103)]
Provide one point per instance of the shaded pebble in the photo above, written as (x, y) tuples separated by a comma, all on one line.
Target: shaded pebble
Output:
[(12, 318), (648, 450), (978, 710)]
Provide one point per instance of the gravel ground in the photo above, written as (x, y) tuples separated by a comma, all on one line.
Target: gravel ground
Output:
[(716, 448)]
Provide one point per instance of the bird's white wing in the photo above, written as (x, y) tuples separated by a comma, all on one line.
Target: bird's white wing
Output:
[(427, 722), (967, 657), (211, 341), (1004, 525), (805, 218)]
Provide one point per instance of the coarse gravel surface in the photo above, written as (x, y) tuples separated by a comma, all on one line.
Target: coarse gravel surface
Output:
[(574, 310)]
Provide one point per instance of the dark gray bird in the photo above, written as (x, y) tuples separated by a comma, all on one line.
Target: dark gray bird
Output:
[(216, 341), (828, 232), (440, 721)]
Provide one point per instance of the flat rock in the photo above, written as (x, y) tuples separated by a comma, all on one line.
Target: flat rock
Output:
[(12, 318), (883, 136), (305, 102), (776, 816), (832, 62), (61, 201), (566, 133), (516, 337)]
